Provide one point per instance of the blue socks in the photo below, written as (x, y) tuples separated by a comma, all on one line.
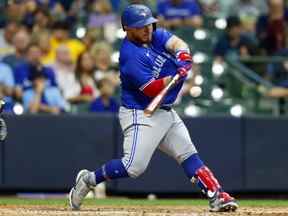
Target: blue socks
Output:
[(191, 165), (114, 169), (196, 171)]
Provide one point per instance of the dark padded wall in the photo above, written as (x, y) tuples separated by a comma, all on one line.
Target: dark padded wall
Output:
[(266, 154), (46, 152)]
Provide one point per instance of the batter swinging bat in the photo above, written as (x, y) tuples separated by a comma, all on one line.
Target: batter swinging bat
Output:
[(155, 103)]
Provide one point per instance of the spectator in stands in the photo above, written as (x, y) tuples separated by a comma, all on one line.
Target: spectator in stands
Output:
[(50, 4), (15, 11), (42, 20), (58, 12), (211, 7), (84, 74), (66, 4), (272, 27), (232, 42), (241, 8), (101, 13), (30, 7), (60, 36), (6, 36), (6, 86), (22, 72), (119, 6), (277, 73), (178, 13), (42, 98), (79, 9), (89, 39), (248, 8), (105, 102), (103, 18), (248, 11), (20, 41), (64, 71), (102, 52), (41, 39)]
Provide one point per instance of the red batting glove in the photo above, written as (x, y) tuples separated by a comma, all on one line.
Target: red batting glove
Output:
[(184, 59)]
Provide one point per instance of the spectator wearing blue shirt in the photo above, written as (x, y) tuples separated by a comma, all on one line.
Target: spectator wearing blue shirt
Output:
[(105, 102), (22, 72), (6, 86), (21, 41), (277, 73), (233, 42), (43, 98), (178, 13)]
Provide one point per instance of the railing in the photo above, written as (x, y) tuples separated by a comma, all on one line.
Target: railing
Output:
[(249, 77), (246, 73), (242, 86)]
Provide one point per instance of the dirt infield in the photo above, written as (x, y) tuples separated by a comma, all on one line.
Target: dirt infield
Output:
[(136, 211)]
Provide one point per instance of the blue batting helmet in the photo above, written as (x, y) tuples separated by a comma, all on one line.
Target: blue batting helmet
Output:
[(137, 16)]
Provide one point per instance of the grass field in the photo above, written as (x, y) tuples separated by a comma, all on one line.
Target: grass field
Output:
[(141, 207)]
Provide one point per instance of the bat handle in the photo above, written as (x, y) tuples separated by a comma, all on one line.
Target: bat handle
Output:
[(148, 113), (174, 80)]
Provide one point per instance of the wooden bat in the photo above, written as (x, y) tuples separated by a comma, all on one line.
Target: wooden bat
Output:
[(155, 103)]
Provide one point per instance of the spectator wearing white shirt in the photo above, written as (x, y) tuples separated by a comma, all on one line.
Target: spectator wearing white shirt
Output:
[(65, 73)]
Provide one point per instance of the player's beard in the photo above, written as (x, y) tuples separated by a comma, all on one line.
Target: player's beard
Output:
[(146, 38), (141, 39), (142, 36)]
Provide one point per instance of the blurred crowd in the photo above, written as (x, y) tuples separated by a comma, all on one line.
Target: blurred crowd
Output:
[(59, 54)]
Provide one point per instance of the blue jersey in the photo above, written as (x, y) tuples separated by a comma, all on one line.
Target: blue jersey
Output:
[(98, 105), (141, 64), (184, 9), (23, 72)]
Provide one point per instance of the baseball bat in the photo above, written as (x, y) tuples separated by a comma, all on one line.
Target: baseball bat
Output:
[(155, 103)]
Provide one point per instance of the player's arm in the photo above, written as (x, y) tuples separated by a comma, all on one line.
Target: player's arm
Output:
[(175, 44), (153, 88), (181, 51), (140, 76)]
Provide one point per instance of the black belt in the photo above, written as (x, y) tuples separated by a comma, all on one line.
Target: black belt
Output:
[(166, 108)]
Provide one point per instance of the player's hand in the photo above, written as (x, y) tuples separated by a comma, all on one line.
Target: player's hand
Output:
[(183, 72), (184, 59)]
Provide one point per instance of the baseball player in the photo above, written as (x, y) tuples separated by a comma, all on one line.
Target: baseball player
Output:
[(149, 58)]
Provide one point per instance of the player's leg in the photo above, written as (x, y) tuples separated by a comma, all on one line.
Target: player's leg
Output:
[(177, 143), (87, 180), (142, 136)]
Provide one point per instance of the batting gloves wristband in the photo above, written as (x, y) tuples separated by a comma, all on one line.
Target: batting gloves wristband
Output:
[(184, 59)]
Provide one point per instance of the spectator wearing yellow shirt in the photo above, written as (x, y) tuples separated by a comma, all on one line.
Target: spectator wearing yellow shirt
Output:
[(41, 39), (60, 36)]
